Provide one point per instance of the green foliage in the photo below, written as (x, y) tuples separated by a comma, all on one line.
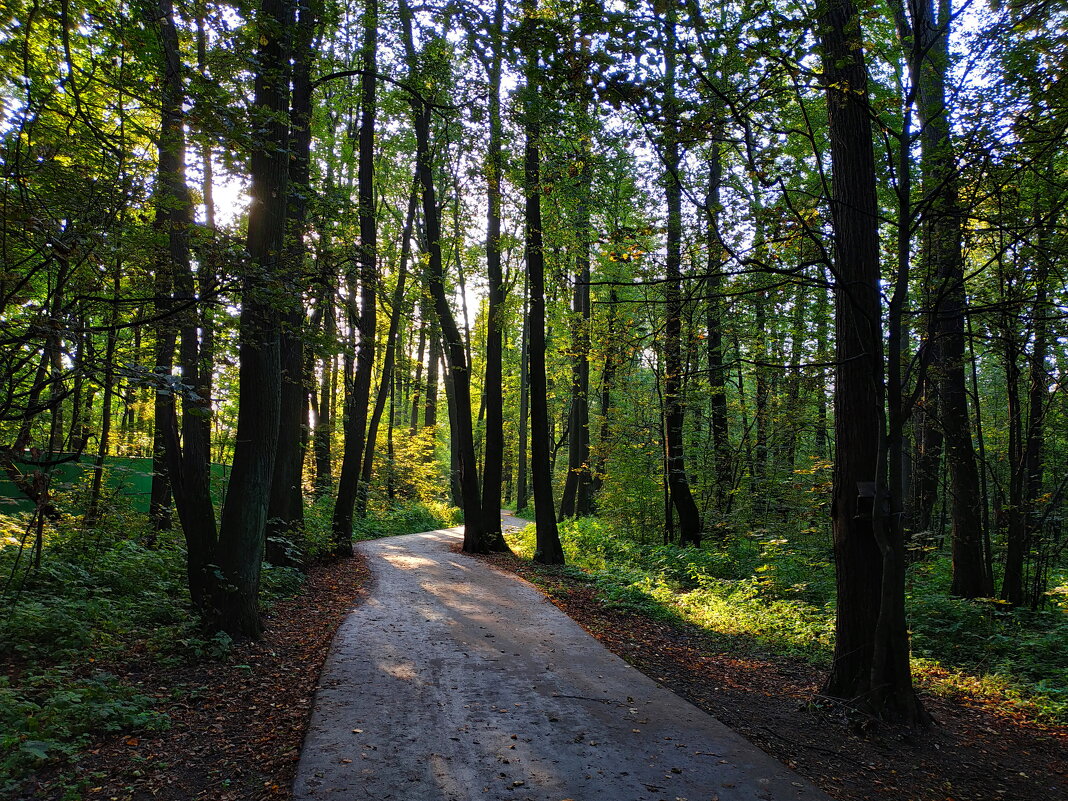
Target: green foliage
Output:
[(406, 518), (51, 714), (986, 646), (761, 592), (414, 472), (95, 600), (384, 519), (741, 592)]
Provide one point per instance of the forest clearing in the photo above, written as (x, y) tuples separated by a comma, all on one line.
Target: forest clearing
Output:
[(757, 310)]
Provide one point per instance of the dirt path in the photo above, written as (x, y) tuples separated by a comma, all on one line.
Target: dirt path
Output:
[(456, 681)]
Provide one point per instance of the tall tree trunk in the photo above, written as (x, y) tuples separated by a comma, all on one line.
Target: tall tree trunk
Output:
[(417, 379), (244, 515), (548, 549), (871, 645), (717, 374), (454, 348), (160, 498), (456, 487), (92, 513), (285, 510), (493, 389), (188, 459), (613, 357), (323, 429), (674, 402), (433, 374), (1037, 401), (972, 577), (349, 486), (576, 500)]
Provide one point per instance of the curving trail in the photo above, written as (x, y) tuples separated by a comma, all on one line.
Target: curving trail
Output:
[(457, 682)]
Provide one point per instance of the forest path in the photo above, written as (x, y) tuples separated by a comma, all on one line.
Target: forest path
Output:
[(454, 681)]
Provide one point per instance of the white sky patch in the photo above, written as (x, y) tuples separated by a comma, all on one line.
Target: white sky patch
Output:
[(230, 193)]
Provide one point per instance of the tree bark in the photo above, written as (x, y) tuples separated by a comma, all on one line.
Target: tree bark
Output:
[(674, 401), (493, 389), (717, 375), (187, 459), (390, 356), (454, 348), (972, 576), (548, 549), (244, 515), (522, 495), (349, 485), (871, 646), (285, 510)]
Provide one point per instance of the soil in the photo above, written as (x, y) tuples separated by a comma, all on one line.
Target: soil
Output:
[(236, 727)]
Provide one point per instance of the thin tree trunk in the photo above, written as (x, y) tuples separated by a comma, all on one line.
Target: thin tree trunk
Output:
[(417, 391), (349, 485), (433, 373), (454, 348), (493, 389), (389, 358), (548, 549), (92, 513), (522, 499), (717, 374)]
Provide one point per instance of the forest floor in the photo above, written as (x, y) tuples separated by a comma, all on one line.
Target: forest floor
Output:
[(973, 753), (237, 726)]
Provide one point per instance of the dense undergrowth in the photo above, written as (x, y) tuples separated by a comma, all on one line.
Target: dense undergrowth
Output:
[(108, 597), (766, 593)]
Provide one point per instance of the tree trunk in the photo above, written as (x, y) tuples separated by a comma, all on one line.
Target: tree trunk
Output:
[(674, 402), (433, 373), (349, 485), (285, 510), (453, 344), (244, 515), (548, 549), (389, 358), (187, 459), (612, 359), (972, 577), (871, 646), (717, 375), (493, 389), (417, 379), (576, 500), (522, 498), (92, 513), (324, 419)]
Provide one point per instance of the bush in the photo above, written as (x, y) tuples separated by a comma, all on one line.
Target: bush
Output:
[(51, 714)]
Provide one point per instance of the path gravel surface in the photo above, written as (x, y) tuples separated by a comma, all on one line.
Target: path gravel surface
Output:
[(456, 682)]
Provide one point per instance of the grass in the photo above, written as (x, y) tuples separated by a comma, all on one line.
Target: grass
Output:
[(765, 593)]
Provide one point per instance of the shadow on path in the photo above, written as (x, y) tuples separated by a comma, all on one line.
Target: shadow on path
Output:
[(455, 681)]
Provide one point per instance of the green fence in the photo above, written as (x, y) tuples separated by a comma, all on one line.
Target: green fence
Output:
[(127, 478)]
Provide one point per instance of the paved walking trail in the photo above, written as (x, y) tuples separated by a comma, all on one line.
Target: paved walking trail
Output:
[(455, 682)]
